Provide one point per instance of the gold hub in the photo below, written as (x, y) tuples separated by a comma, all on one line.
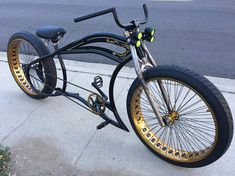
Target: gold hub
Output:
[(172, 117)]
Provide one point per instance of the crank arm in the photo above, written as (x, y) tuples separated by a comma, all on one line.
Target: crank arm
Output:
[(100, 91)]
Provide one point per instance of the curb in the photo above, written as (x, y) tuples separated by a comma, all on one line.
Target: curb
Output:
[(225, 85)]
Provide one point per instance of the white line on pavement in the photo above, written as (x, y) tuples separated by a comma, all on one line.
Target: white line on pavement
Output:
[(172, 0)]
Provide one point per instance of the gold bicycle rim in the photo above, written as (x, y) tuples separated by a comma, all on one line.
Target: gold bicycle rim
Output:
[(161, 146), (15, 66)]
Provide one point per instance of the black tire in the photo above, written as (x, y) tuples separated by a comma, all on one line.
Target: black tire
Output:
[(214, 117), (24, 47)]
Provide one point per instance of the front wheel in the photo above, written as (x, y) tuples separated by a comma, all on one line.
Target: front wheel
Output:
[(199, 125)]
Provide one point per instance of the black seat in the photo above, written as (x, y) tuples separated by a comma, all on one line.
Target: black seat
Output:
[(53, 33)]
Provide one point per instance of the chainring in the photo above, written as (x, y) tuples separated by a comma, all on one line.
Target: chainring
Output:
[(95, 102)]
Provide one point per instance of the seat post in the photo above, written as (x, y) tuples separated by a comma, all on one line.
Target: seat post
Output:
[(46, 42), (63, 68), (55, 45)]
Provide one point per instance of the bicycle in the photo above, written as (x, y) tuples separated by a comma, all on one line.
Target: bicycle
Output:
[(178, 114)]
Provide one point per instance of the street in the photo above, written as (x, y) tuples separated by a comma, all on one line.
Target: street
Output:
[(196, 34)]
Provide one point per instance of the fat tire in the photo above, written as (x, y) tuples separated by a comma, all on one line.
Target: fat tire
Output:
[(48, 63), (210, 93)]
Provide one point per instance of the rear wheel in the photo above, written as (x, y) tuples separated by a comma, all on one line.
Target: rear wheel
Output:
[(23, 48), (199, 125)]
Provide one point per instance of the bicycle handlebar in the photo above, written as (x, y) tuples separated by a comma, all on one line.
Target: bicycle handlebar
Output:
[(113, 11), (146, 14)]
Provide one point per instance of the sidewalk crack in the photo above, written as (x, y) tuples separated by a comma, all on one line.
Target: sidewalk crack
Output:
[(85, 147), (20, 125)]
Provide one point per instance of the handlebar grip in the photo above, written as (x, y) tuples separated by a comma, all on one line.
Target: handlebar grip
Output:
[(93, 15), (79, 19), (146, 14)]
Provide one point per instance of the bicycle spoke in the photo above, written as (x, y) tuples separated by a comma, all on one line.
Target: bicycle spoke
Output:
[(191, 133)]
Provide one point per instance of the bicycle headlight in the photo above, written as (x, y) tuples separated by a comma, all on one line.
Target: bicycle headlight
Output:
[(151, 39), (140, 35), (150, 31), (138, 43), (135, 42), (137, 35)]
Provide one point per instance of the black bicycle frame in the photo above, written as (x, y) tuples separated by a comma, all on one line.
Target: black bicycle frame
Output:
[(86, 45)]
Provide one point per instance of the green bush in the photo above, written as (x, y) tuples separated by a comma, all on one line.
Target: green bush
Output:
[(4, 158)]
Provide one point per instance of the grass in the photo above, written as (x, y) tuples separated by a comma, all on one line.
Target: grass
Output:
[(4, 158)]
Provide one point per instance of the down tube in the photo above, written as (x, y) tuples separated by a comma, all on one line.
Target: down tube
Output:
[(111, 94), (85, 46)]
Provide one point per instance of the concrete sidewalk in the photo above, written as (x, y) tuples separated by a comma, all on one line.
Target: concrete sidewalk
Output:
[(56, 137)]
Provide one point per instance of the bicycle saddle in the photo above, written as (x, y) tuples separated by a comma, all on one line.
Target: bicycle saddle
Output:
[(51, 32)]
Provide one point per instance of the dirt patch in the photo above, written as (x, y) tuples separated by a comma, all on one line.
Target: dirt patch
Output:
[(39, 156), (42, 157)]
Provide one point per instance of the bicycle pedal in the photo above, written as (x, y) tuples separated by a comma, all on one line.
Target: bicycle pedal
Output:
[(97, 84), (98, 81), (102, 125)]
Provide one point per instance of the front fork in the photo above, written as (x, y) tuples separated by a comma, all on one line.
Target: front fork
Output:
[(166, 96), (149, 61)]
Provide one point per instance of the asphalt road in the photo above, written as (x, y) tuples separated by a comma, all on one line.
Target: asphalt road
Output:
[(198, 34)]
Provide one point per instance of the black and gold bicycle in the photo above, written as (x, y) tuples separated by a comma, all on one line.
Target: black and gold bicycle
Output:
[(178, 114)]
